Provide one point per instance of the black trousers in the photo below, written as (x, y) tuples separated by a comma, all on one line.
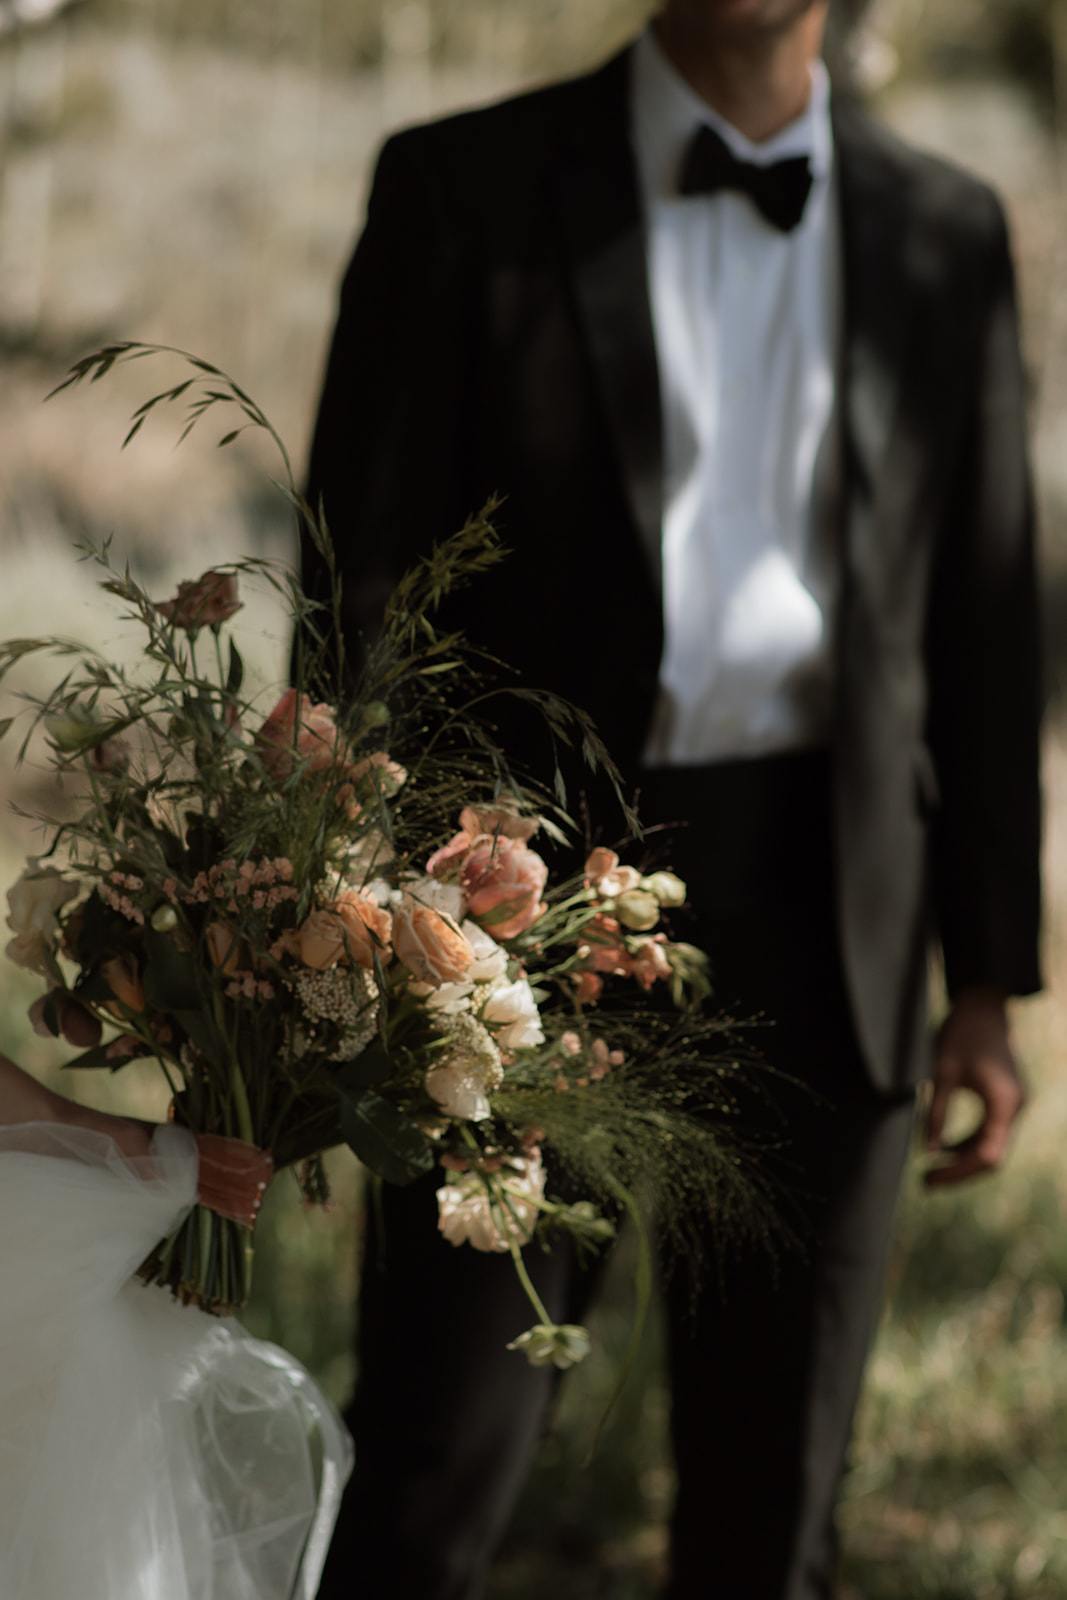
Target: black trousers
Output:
[(766, 1358)]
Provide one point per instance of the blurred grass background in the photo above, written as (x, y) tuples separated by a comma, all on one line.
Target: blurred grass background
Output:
[(193, 171)]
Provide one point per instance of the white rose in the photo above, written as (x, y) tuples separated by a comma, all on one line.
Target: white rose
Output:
[(490, 959), (449, 999), (447, 898), (33, 902), (512, 1010), (464, 1215), (459, 1091)]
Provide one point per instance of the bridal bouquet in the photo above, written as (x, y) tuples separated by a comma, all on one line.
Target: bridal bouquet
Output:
[(329, 921)]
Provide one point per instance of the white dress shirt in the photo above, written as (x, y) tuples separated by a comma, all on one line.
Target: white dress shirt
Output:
[(746, 327)]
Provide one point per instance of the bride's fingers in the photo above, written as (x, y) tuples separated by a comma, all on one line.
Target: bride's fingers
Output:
[(233, 1177)]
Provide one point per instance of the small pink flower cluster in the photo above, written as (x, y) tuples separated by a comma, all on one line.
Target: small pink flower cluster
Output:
[(603, 1061), (246, 985), (109, 893), (267, 885), (616, 942)]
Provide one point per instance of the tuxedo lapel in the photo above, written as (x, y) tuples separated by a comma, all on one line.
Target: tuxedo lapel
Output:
[(602, 227), (877, 304)]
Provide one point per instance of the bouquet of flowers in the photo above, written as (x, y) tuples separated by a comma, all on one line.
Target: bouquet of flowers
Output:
[(331, 923)]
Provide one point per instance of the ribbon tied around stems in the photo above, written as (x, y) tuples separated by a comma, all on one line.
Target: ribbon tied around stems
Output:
[(233, 1177)]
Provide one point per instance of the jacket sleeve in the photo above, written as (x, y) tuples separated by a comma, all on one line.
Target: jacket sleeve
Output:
[(984, 672), (386, 455)]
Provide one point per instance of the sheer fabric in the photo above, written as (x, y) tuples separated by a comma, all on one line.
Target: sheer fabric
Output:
[(147, 1451)]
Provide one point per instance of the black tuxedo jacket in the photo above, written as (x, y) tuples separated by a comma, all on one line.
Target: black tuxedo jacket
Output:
[(495, 336)]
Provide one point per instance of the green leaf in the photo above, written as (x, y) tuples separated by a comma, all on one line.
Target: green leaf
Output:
[(383, 1138), (504, 910), (97, 1057), (94, 989), (5, 723), (170, 980), (235, 676)]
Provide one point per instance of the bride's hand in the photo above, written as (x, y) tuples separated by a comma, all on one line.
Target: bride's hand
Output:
[(233, 1177)]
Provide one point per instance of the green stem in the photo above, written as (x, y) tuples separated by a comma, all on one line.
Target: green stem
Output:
[(527, 1284), (240, 1096)]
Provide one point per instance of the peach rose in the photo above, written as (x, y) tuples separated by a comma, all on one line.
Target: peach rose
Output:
[(298, 732), (366, 928), (124, 981), (321, 939), (503, 880), (432, 948), (205, 603), (604, 874)]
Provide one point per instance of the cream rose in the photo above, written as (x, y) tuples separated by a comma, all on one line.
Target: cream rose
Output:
[(464, 1215), (33, 902), (490, 961), (512, 1012)]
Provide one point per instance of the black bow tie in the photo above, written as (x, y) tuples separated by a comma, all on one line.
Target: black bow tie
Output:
[(779, 191)]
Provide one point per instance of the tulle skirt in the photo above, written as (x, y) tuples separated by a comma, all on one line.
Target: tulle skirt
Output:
[(147, 1451)]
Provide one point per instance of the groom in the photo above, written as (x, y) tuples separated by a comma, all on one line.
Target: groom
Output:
[(746, 370)]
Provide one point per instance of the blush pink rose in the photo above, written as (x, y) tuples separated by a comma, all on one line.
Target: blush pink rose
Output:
[(479, 828), (299, 732), (205, 602), (503, 880), (432, 948), (451, 856)]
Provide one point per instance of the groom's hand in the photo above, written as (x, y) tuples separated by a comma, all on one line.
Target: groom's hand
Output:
[(974, 1052)]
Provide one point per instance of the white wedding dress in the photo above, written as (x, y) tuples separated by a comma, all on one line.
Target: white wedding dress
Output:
[(147, 1451)]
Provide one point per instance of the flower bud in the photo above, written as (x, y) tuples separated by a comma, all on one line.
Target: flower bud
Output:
[(667, 887), (562, 1345), (375, 714), (72, 729), (637, 910), (164, 919)]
